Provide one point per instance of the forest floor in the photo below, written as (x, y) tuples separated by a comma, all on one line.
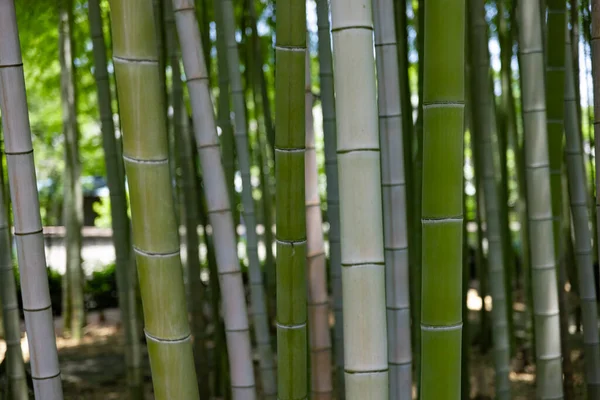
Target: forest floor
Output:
[(94, 369)]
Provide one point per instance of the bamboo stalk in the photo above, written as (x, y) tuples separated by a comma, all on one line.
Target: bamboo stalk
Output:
[(217, 201), (292, 340), (333, 197), (485, 131), (258, 310), (15, 370), (155, 233), (362, 251), (595, 47), (393, 185), (584, 256), (539, 207), (118, 207), (37, 307), (318, 298), (223, 109), (442, 218), (74, 318)]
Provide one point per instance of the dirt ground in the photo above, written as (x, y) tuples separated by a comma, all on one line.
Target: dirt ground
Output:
[(94, 369)]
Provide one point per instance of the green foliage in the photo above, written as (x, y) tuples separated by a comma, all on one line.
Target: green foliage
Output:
[(102, 207)]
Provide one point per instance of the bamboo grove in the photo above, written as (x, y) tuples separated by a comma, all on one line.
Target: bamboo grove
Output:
[(305, 199)]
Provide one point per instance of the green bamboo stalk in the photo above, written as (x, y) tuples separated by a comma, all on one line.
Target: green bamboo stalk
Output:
[(508, 108), (485, 131), (15, 368), (362, 252), (333, 198), (74, 319), (539, 204), (157, 6), (595, 47), (258, 311), (29, 237), (465, 384), (265, 125), (555, 85), (408, 144), (318, 297), (155, 233), (217, 201), (223, 109), (393, 185), (580, 212), (118, 207), (416, 267), (442, 218), (292, 335)]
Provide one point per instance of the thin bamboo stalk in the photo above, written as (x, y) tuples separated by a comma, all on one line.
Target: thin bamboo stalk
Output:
[(577, 181), (393, 185), (258, 308), (441, 215), (485, 131), (217, 201), (363, 258), (417, 255), (539, 207), (595, 47), (74, 320), (555, 86), (333, 197), (223, 109), (155, 233), (15, 369), (37, 307), (318, 298), (118, 207), (292, 335)]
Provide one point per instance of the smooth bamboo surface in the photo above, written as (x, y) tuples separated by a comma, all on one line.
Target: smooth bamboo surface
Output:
[(235, 312), (15, 367), (37, 307), (595, 47), (118, 206), (361, 225), (484, 131), (73, 301), (223, 103), (555, 109), (318, 297), (292, 334), (442, 213), (155, 233), (580, 212), (333, 197), (258, 308), (539, 204), (393, 185)]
